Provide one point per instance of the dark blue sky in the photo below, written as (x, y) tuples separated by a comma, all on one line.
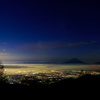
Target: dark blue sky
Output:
[(49, 30)]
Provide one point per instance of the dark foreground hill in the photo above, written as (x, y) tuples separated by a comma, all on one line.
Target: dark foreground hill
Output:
[(83, 87), (83, 82)]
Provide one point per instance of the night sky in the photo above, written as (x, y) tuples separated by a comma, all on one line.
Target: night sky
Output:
[(49, 30)]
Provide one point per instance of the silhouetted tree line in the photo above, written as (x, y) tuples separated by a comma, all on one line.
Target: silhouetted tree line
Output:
[(2, 77), (85, 80)]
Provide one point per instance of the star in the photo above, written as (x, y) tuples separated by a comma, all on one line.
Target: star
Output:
[(3, 49)]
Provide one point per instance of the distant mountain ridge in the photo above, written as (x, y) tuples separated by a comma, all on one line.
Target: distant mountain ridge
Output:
[(39, 62), (75, 61), (97, 63), (71, 61)]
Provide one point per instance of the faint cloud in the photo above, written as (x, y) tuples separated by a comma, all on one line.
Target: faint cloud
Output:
[(92, 53), (30, 47), (4, 54), (93, 41), (42, 45), (98, 51), (69, 45), (75, 44), (83, 43), (5, 43)]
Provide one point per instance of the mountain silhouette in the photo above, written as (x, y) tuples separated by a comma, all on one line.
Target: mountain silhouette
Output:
[(74, 61), (39, 62), (97, 63)]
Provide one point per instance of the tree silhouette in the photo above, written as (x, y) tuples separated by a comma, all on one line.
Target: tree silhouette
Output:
[(1, 69), (2, 77), (82, 71)]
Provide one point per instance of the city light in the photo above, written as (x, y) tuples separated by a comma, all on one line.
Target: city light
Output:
[(18, 75)]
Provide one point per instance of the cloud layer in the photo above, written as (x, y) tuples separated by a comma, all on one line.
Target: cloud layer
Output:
[(41, 46), (4, 54), (5, 43)]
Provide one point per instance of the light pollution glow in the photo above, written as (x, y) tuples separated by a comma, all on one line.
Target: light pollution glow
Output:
[(40, 68)]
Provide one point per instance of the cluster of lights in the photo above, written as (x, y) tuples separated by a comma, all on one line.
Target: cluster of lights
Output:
[(18, 76)]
